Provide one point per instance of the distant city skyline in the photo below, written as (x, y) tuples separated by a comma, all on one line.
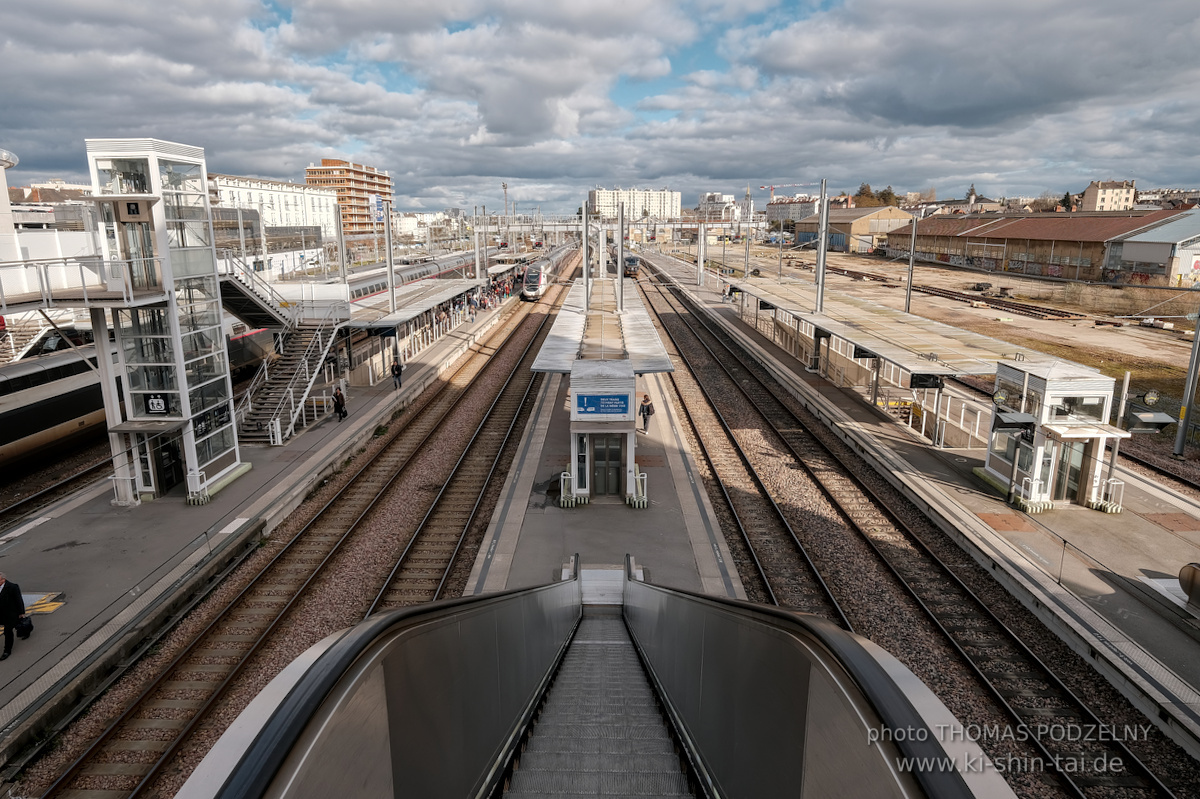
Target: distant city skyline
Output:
[(1017, 98)]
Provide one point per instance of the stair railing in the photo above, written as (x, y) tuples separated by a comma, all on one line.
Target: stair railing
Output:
[(291, 403), (229, 262)]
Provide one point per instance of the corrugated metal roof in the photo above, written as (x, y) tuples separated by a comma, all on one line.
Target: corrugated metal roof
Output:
[(907, 340), (412, 300), (838, 216), (1039, 227), (638, 338), (1184, 226)]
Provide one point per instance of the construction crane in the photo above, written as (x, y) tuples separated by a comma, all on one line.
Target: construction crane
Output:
[(782, 186)]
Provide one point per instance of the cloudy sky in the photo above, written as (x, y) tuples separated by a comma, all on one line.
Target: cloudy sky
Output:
[(1018, 97)]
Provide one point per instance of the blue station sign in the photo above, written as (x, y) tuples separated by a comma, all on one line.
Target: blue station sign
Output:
[(607, 404)]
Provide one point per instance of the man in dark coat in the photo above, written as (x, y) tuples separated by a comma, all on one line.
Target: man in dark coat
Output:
[(12, 609)]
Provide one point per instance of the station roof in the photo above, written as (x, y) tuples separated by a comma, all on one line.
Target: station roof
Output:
[(915, 344), (412, 300), (601, 333)]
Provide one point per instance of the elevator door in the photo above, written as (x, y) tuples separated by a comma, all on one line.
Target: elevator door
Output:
[(1070, 463), (607, 465)]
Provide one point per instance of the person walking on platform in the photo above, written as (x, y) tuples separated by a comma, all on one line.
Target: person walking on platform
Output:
[(339, 403), (646, 410), (12, 610), (397, 370)]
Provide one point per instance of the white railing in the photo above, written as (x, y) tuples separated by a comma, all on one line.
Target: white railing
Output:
[(258, 381), (197, 488), (85, 280), (567, 498), (639, 498), (231, 264)]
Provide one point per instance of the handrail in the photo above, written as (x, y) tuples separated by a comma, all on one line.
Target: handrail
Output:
[(236, 268), (306, 372), (525, 663), (46, 279), (703, 683)]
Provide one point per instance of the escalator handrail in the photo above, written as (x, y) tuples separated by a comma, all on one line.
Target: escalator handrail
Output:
[(262, 759), (895, 710)]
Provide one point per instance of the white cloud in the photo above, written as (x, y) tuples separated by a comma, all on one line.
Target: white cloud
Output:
[(453, 97)]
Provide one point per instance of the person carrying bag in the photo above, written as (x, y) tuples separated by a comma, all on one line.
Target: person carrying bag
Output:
[(646, 410)]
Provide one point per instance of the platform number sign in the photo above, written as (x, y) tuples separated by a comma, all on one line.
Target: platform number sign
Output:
[(156, 404)]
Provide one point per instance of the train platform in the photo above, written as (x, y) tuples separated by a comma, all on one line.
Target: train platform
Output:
[(99, 579), (676, 540), (1104, 582)]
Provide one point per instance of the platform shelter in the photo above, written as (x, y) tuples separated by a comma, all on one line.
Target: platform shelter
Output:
[(424, 312), (604, 351)]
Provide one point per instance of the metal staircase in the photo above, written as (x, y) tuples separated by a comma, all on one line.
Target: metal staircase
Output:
[(15, 339), (600, 731), (246, 295), (277, 400)]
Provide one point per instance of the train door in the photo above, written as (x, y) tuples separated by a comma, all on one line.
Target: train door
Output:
[(608, 463)]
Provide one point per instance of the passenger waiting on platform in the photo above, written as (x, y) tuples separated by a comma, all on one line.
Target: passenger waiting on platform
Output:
[(12, 610), (339, 403), (397, 370), (646, 410)]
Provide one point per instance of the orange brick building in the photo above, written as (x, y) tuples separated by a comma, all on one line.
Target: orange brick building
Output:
[(354, 184)]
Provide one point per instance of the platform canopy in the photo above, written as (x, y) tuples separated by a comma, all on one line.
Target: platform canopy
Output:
[(911, 342), (412, 300), (601, 333)]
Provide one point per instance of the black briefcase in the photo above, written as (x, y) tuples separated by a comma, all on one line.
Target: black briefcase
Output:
[(24, 627)]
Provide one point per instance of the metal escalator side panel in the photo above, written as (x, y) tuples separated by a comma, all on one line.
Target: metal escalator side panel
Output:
[(423, 701), (773, 703)]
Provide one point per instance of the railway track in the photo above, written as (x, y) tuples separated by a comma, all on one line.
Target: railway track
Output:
[(785, 572), (1008, 676), (137, 747), (423, 568), (1022, 308), (14, 513)]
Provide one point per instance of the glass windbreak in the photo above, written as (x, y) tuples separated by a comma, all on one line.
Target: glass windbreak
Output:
[(205, 369), (144, 321), (213, 447), (123, 175), (179, 176), (1078, 409), (209, 395), (151, 377), (201, 343)]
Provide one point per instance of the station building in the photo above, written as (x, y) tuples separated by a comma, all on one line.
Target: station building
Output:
[(855, 230)]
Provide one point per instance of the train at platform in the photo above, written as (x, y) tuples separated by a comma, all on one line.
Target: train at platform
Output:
[(374, 281), (540, 274), (632, 264), (53, 395)]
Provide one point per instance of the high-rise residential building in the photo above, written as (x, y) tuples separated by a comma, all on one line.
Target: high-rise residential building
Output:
[(639, 203), (1108, 195), (355, 184)]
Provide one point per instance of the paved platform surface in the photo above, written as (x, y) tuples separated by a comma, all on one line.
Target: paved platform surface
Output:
[(109, 566), (1108, 576), (676, 540)]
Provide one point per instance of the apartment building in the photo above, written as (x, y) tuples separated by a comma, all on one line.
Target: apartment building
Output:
[(1108, 195), (355, 184), (281, 204), (639, 203)]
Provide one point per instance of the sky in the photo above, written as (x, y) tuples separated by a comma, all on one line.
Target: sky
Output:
[(453, 98)]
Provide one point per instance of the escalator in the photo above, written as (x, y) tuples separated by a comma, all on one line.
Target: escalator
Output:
[(598, 685), (600, 731)]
